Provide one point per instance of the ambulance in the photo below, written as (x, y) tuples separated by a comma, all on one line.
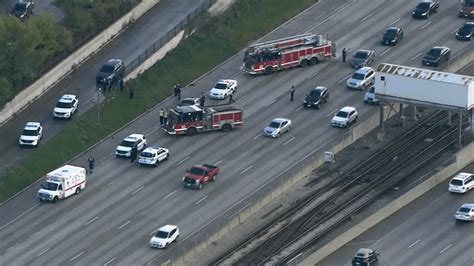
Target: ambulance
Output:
[(63, 182)]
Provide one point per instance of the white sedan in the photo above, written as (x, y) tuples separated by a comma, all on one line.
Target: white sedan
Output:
[(223, 88), (153, 155), (277, 127), (345, 117)]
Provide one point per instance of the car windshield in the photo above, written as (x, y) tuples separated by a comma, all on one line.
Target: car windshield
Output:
[(107, 69), (361, 55), (161, 234), (30, 132), (469, 3), (464, 209), (187, 102), (127, 143), (315, 93), (50, 186), (147, 154), (274, 124), (220, 86), (342, 114), (390, 33), (456, 182), (358, 76), (64, 105), (423, 6), (434, 52), (196, 171), (466, 29), (20, 7)]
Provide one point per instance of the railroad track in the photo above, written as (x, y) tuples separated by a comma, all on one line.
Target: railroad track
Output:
[(282, 239)]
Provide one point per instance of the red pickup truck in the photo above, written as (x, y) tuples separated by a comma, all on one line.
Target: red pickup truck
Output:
[(198, 175)]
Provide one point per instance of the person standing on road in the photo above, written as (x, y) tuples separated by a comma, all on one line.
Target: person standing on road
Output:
[(121, 84), (133, 154), (91, 164), (178, 91), (203, 99), (230, 99), (344, 54), (162, 116), (165, 118), (292, 93)]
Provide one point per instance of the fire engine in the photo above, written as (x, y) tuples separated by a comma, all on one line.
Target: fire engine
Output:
[(189, 120), (300, 50)]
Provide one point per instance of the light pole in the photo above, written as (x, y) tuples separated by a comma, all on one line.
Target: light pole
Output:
[(98, 105)]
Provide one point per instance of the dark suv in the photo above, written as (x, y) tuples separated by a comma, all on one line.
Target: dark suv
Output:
[(111, 72), (23, 10), (365, 257), (465, 32), (425, 9), (436, 56), (315, 97)]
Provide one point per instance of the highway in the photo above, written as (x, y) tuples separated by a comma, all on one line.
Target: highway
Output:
[(422, 233), (112, 221), (127, 46)]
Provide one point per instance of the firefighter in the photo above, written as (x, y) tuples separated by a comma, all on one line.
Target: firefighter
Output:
[(178, 91), (162, 116), (344, 54), (292, 93), (91, 164), (133, 154), (230, 99), (165, 118), (203, 99), (121, 84)]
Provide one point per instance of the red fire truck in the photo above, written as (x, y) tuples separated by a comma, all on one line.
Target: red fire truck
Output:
[(301, 50), (189, 120)]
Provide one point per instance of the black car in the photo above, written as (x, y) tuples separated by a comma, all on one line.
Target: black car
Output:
[(436, 56), (23, 10), (111, 72), (391, 36), (315, 97), (465, 32), (425, 9), (363, 58), (365, 257)]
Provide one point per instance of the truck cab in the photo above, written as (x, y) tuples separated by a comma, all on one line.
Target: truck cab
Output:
[(198, 175)]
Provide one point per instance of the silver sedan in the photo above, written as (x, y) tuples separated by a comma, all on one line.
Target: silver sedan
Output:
[(277, 127)]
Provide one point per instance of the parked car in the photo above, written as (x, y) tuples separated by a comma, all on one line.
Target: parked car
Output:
[(31, 134), (436, 56), (277, 127), (66, 106), (316, 97), (425, 9), (223, 88), (23, 9), (361, 79), (110, 73), (344, 117), (189, 102), (392, 36), (153, 155), (198, 175), (466, 31), (465, 212), (369, 96), (461, 183), (166, 235), (363, 58), (137, 141), (365, 257)]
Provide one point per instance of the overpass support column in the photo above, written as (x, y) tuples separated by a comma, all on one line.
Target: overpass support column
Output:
[(460, 130), (381, 133), (449, 118)]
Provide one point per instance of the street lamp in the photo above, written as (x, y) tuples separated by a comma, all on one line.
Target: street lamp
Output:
[(98, 104)]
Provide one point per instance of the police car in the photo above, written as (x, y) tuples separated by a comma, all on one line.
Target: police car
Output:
[(153, 155), (66, 106), (223, 88), (137, 141), (31, 134)]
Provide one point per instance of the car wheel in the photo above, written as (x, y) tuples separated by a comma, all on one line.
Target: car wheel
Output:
[(55, 199), (191, 131), (214, 178), (200, 186), (304, 63), (314, 61), (268, 70), (428, 15), (318, 106), (78, 190), (167, 156), (226, 128), (289, 129), (278, 135)]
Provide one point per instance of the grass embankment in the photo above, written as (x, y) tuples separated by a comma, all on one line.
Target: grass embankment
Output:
[(216, 39)]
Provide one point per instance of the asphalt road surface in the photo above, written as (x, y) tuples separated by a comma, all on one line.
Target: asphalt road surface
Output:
[(138, 37), (422, 233), (112, 221)]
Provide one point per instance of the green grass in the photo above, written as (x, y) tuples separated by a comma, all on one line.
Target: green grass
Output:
[(216, 39)]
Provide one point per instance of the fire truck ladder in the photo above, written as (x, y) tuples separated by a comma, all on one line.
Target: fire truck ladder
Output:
[(293, 41)]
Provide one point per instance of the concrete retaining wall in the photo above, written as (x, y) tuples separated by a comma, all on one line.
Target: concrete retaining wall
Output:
[(463, 158), (47, 81)]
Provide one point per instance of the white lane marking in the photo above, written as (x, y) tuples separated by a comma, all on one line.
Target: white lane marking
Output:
[(243, 97), (109, 261), (19, 216), (332, 112), (385, 51), (8, 250), (218, 162), (299, 108), (199, 201), (453, 31), (270, 103), (124, 224), (256, 137), (91, 221), (446, 248), (344, 78), (426, 24), (288, 141), (414, 243), (138, 189), (334, 13), (170, 194), (77, 256), (395, 21), (413, 58), (110, 183), (246, 169), (367, 17), (44, 251), (184, 159)]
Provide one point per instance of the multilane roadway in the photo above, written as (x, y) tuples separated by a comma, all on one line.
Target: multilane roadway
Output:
[(113, 219)]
